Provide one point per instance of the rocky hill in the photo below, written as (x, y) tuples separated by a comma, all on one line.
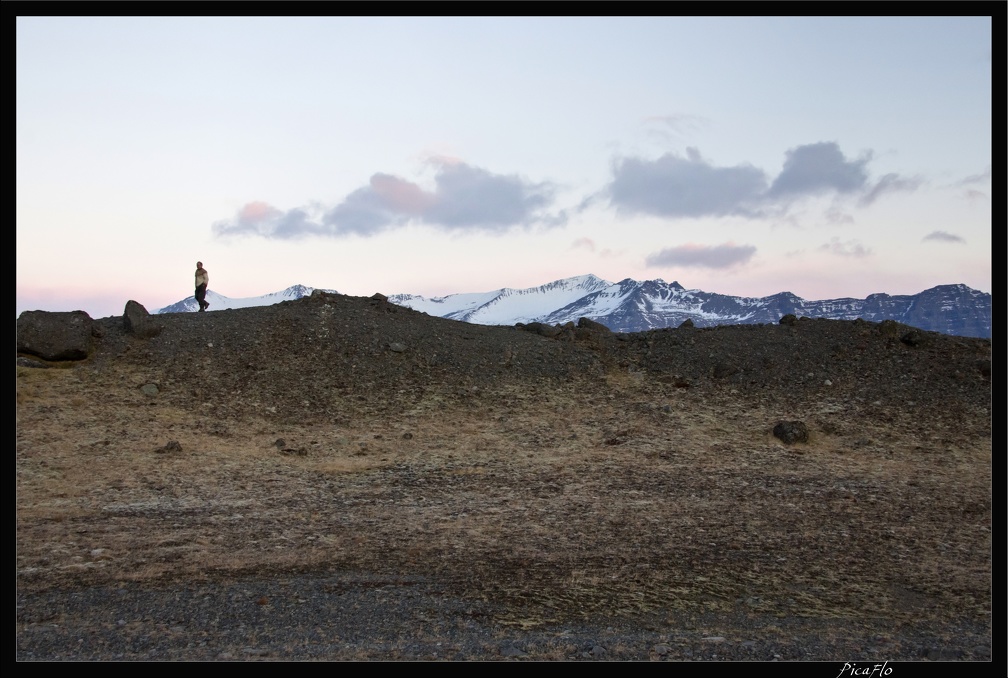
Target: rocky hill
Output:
[(298, 357), (339, 477)]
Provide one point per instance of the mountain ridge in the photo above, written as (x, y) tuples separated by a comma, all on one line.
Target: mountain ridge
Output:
[(635, 306)]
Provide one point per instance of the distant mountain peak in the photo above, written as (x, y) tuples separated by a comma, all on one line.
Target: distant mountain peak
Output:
[(635, 306), (218, 302)]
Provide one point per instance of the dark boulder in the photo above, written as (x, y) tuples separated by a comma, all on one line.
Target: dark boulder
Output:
[(722, 370), (55, 335), (138, 322), (984, 367), (589, 324), (381, 302), (915, 338), (541, 329), (791, 432)]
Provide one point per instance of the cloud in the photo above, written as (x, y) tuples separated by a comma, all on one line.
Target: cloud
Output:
[(676, 126), (973, 194), (471, 198), (383, 204), (851, 248), (836, 216), (889, 183), (943, 236), (676, 186), (465, 198), (982, 178), (701, 256), (262, 219), (589, 245), (819, 168)]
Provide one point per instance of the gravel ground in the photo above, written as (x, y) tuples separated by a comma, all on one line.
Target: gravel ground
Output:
[(349, 618), (338, 478)]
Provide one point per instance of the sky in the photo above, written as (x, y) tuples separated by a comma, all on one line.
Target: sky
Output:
[(829, 157)]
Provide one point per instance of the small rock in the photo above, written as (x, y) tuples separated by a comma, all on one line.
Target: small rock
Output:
[(171, 446), (791, 432), (913, 338), (982, 652), (510, 650)]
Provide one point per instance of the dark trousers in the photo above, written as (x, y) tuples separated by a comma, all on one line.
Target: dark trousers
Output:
[(201, 296)]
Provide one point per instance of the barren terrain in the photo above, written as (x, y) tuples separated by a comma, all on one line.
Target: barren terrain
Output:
[(337, 478)]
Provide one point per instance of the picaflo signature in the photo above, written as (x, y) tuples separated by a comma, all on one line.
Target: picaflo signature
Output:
[(865, 670)]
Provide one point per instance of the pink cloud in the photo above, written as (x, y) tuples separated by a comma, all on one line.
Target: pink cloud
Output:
[(400, 195), (257, 211)]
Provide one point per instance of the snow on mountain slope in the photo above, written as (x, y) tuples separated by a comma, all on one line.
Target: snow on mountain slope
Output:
[(218, 302), (629, 306), (505, 306)]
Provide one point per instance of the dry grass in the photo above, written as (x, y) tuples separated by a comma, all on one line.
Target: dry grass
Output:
[(627, 499)]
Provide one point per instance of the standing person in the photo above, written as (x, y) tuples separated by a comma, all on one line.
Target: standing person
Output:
[(202, 280)]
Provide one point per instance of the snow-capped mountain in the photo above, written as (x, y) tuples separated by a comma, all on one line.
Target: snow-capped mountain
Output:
[(632, 306), (218, 302), (506, 306)]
